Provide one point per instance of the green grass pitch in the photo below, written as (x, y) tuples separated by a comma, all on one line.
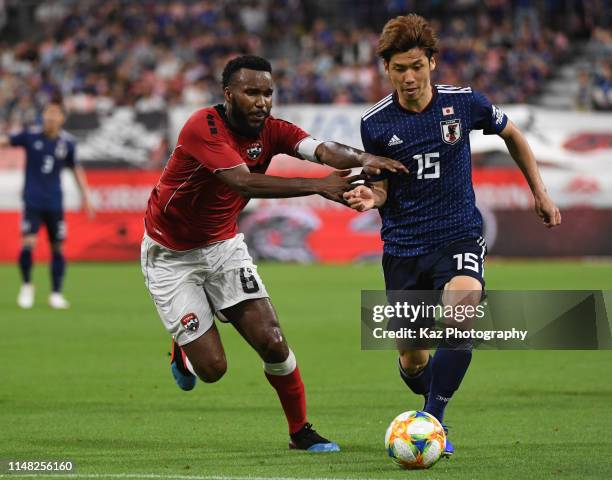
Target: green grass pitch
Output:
[(93, 385)]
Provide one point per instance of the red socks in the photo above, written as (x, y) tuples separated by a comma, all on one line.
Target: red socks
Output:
[(290, 390)]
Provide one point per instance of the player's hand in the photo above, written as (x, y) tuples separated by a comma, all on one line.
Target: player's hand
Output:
[(373, 164), (546, 209), (335, 184), (360, 198)]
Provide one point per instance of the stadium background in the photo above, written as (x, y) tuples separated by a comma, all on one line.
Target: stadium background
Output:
[(132, 72), (92, 384)]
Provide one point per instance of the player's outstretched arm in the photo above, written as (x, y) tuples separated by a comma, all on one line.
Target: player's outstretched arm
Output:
[(4, 141), (342, 156), (365, 197), (81, 180), (257, 185), (523, 156)]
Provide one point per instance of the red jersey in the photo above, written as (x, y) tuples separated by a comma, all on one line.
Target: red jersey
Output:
[(190, 206)]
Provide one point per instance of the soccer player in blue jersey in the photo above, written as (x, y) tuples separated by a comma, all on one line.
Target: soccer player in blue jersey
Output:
[(48, 149), (431, 228)]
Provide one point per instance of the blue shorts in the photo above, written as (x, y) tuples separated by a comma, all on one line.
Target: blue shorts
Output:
[(434, 270), (421, 279), (53, 220)]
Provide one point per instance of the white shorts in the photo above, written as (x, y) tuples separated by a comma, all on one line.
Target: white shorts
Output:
[(189, 287)]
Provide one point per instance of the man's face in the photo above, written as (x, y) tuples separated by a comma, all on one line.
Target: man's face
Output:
[(410, 74), (250, 96), (53, 117)]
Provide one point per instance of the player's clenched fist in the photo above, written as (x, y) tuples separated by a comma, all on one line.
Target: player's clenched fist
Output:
[(547, 210)]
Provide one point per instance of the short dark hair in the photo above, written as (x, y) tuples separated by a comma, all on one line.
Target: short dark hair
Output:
[(57, 99), (404, 33), (250, 62)]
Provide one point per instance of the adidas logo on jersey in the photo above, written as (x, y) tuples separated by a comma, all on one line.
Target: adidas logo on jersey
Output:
[(395, 140)]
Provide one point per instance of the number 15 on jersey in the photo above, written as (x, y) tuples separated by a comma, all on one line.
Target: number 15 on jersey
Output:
[(429, 165)]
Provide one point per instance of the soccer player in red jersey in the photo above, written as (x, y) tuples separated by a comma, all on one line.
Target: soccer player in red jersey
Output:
[(195, 263)]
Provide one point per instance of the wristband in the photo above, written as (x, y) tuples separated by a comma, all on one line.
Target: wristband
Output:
[(307, 147)]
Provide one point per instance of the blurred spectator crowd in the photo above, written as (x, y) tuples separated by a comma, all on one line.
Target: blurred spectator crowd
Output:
[(595, 77), (156, 54)]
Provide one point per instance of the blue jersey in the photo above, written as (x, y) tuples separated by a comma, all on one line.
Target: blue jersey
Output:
[(45, 158), (434, 205)]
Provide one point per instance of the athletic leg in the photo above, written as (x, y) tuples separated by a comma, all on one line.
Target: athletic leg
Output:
[(28, 242), (30, 224), (58, 267), (460, 274), (25, 298), (256, 321), (56, 229), (206, 356), (401, 276), (452, 359), (175, 282), (415, 370), (237, 292)]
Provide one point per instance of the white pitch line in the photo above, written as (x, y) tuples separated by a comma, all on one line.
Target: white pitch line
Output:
[(163, 477)]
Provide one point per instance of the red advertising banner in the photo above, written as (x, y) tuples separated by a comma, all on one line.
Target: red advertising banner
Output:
[(313, 229), (120, 199), (110, 236)]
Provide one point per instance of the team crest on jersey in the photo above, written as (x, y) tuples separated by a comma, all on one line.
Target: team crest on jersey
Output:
[(451, 130), (254, 151), (190, 322)]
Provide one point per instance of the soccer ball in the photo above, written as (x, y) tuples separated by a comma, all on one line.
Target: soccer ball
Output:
[(415, 440)]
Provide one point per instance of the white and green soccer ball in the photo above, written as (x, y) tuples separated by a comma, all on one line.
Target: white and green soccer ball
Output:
[(415, 439)]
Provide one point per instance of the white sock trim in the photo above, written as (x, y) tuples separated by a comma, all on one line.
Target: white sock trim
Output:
[(282, 368)]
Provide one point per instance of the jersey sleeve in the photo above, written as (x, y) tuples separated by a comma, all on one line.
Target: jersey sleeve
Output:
[(207, 144), (370, 146), (486, 116), (71, 160), (18, 139), (287, 136)]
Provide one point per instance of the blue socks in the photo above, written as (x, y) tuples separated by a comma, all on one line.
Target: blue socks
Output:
[(420, 382), (58, 266), (25, 264), (448, 368)]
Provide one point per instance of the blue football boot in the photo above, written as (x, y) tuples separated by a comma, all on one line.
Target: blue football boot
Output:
[(449, 449), (307, 438), (183, 377)]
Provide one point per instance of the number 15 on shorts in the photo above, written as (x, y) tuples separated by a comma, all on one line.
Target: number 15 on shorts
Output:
[(468, 261)]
